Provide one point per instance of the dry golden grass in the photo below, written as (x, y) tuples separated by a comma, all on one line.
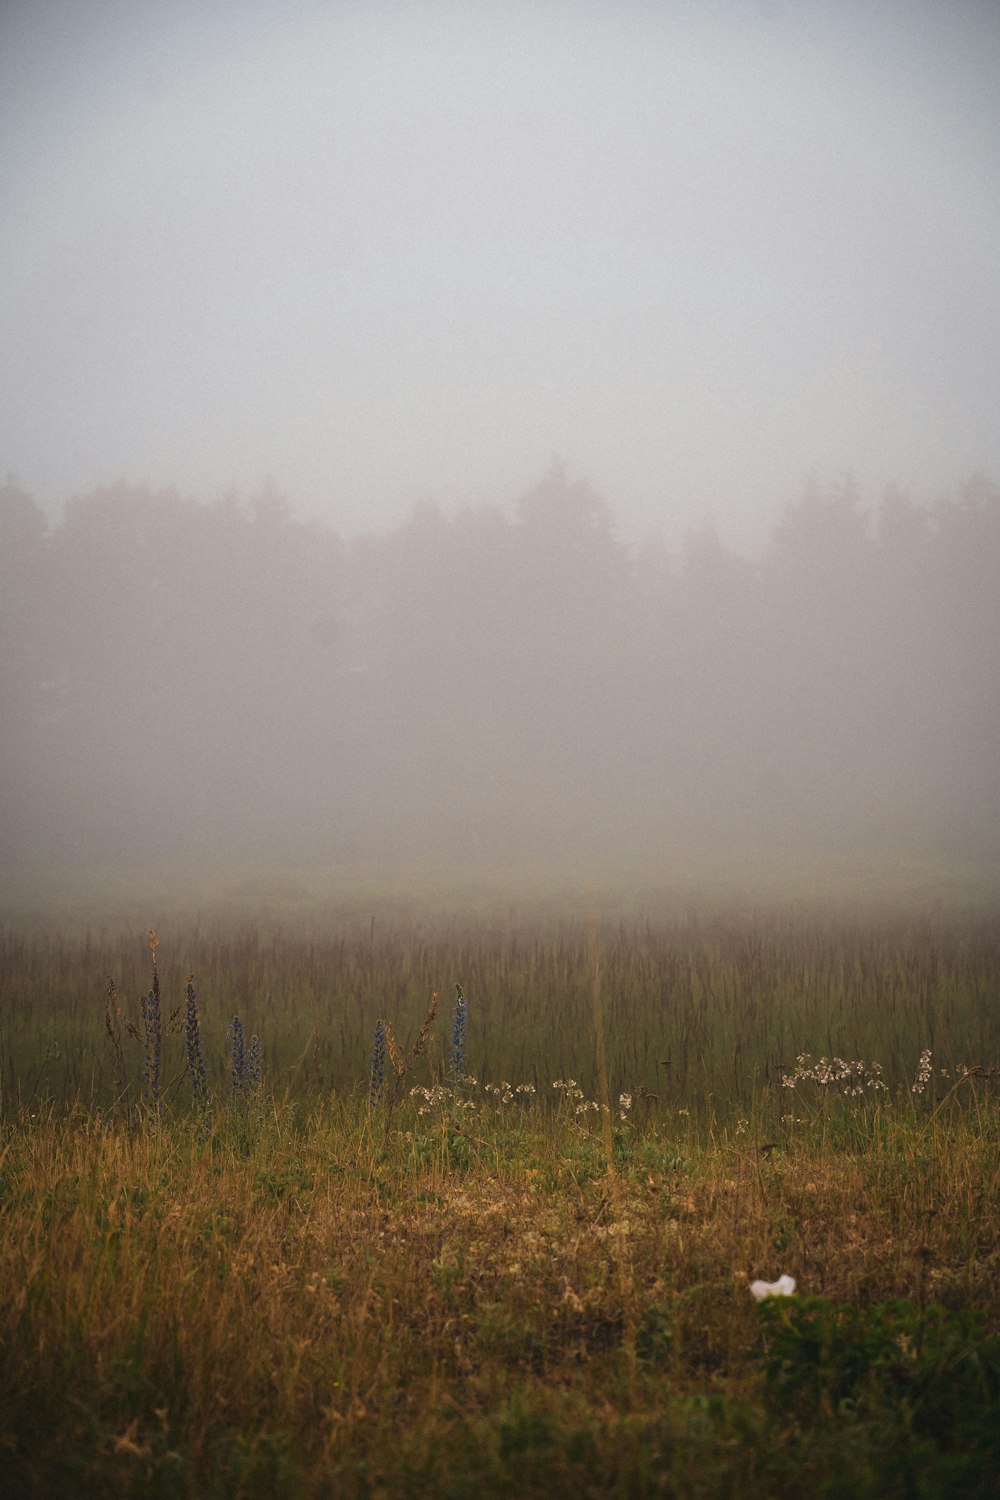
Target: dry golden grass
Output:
[(293, 1294), (317, 1308)]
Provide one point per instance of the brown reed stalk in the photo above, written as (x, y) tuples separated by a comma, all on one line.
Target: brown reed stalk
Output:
[(113, 1027), (401, 1063), (623, 1258), (599, 1043)]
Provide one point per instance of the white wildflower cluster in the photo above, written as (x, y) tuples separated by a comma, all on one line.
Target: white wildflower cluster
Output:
[(851, 1078), (923, 1072), (437, 1097), (574, 1097), (505, 1092), (580, 1105), (433, 1097)]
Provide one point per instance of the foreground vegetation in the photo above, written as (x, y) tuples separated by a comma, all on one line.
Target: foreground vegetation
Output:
[(490, 1285)]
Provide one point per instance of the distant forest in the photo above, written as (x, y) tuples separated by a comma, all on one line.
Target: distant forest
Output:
[(224, 682)]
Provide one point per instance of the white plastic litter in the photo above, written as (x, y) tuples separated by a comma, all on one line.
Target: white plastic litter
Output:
[(783, 1287)]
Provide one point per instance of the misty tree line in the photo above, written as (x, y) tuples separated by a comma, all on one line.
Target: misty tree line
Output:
[(223, 681)]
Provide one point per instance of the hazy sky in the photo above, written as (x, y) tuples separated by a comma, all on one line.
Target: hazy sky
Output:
[(377, 252)]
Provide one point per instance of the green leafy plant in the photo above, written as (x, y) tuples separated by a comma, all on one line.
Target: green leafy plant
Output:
[(927, 1381)]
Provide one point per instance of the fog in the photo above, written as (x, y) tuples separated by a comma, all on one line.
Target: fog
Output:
[(501, 436), (380, 253), (193, 686)]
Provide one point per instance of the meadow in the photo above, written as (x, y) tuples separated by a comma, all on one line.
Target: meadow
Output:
[(472, 1204)]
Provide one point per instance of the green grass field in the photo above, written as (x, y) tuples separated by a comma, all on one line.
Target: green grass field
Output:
[(486, 1284)]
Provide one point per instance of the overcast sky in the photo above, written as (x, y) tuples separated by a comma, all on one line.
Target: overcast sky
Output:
[(380, 252)]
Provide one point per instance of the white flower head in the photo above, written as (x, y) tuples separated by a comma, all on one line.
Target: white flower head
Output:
[(783, 1287)]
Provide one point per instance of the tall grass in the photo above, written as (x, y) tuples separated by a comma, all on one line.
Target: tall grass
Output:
[(488, 1255), (704, 1011)]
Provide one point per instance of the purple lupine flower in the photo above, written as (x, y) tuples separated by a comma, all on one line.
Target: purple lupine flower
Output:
[(376, 1085), (238, 1069), (456, 1057), (152, 1040)]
